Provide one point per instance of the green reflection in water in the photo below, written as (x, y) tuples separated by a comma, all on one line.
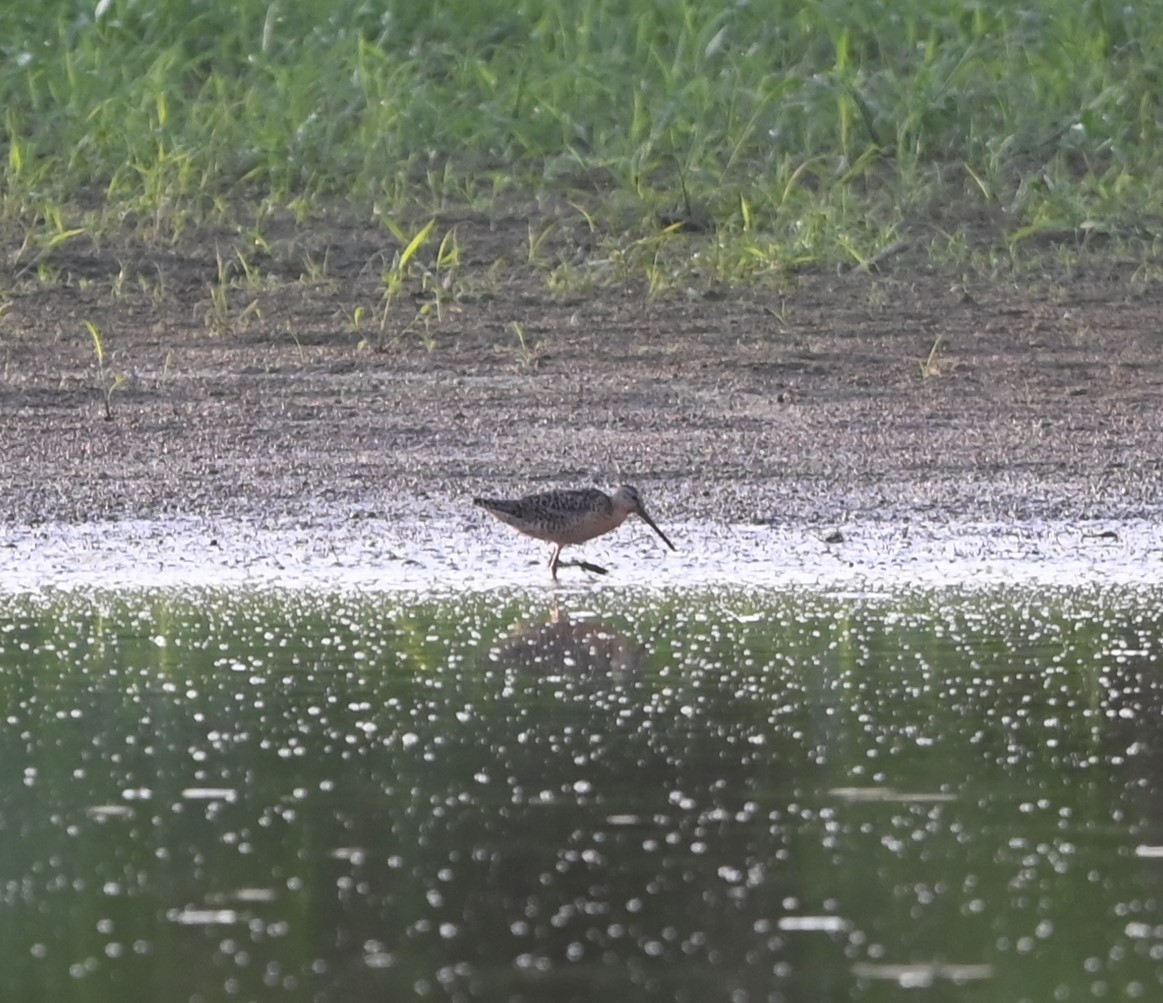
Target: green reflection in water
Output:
[(740, 796)]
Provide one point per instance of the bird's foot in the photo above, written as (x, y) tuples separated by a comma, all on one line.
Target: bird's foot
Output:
[(585, 566)]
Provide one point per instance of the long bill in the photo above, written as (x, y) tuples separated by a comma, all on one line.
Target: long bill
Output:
[(654, 526)]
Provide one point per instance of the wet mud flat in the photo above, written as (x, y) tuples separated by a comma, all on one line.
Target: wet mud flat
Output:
[(903, 401), (469, 554)]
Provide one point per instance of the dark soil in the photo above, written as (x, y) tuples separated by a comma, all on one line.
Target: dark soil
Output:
[(815, 400)]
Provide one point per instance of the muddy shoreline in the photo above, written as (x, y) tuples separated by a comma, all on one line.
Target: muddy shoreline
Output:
[(816, 403)]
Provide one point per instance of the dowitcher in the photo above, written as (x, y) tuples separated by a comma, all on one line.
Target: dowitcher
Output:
[(567, 517)]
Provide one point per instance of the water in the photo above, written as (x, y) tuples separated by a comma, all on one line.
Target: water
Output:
[(736, 795)]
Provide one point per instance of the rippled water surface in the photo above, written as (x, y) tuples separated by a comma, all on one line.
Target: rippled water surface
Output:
[(617, 795)]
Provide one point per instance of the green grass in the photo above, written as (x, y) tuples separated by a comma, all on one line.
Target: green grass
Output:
[(802, 132)]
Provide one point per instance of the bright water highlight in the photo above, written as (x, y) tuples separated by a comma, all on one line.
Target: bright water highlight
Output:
[(733, 795)]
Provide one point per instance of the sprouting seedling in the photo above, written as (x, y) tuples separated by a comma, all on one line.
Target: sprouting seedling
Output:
[(108, 382), (98, 345), (439, 284), (218, 313), (395, 277), (536, 240), (356, 318), (587, 216), (38, 246), (448, 254), (315, 271), (249, 270), (527, 354), (929, 366)]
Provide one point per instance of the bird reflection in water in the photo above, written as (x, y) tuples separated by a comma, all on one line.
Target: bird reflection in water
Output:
[(562, 646)]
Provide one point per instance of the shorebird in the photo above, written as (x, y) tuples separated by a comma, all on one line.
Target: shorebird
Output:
[(567, 517)]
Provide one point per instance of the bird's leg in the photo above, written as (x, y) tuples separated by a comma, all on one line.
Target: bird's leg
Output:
[(556, 562)]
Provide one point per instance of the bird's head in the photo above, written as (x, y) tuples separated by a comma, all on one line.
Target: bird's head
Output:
[(629, 500)]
